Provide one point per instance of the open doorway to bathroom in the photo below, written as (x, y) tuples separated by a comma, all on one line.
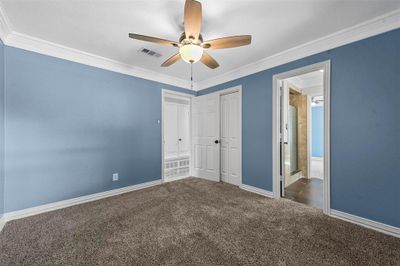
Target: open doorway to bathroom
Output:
[(302, 138)]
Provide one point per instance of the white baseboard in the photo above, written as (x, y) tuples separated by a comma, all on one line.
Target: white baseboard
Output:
[(256, 190), (75, 201), (2, 222), (166, 180), (208, 178), (377, 226)]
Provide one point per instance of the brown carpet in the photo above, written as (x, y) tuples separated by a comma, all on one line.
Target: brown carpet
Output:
[(192, 222)]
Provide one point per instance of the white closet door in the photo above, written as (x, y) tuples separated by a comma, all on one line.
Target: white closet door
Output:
[(171, 147), (224, 137), (205, 136), (183, 128), (230, 139)]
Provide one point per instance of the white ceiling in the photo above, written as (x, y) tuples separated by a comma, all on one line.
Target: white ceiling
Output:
[(101, 27), (308, 80)]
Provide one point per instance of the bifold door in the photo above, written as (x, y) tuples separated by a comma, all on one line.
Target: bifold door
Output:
[(205, 136)]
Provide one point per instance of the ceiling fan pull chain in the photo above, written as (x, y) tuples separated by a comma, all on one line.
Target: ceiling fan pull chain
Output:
[(191, 76)]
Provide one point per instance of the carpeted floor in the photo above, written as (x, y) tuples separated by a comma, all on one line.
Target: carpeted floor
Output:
[(192, 222)]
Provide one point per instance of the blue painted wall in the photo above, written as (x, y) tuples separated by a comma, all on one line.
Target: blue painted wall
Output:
[(1, 128), (365, 126), (70, 126), (317, 131)]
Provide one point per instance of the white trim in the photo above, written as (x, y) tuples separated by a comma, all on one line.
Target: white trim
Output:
[(37, 45), (209, 178), (375, 26), (5, 25), (256, 190), (175, 178), (165, 92), (34, 44), (2, 222), (370, 224), (276, 132), (75, 201)]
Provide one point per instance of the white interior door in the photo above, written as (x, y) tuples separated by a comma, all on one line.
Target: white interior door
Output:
[(205, 136), (183, 130), (285, 165), (171, 146), (230, 138)]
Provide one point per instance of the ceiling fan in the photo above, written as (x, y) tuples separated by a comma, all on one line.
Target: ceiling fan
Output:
[(191, 45)]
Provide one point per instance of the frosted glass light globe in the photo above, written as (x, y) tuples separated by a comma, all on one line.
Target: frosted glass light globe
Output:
[(191, 53)]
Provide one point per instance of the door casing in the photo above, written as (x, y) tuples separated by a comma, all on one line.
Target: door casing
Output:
[(276, 105)]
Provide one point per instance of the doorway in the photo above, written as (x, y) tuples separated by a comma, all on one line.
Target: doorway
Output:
[(301, 135), (176, 140), (216, 136)]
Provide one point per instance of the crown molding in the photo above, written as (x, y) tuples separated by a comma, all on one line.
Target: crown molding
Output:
[(381, 24), (5, 25), (26, 42), (30, 43)]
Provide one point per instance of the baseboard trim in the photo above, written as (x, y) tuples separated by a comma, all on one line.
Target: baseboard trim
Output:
[(208, 178), (256, 190), (370, 224), (75, 201), (2, 222), (167, 180)]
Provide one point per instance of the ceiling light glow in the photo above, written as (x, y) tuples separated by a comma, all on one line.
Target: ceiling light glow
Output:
[(191, 53)]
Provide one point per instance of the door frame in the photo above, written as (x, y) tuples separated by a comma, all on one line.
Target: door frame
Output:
[(326, 67), (236, 89), (180, 95)]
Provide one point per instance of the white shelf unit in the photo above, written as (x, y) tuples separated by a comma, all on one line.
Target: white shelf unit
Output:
[(177, 167)]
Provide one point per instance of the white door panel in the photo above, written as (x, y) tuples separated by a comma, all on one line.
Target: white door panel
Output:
[(284, 91), (230, 138), (171, 131), (183, 128), (197, 157), (205, 119)]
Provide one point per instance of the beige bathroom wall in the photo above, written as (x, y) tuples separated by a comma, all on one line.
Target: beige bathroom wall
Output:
[(300, 102)]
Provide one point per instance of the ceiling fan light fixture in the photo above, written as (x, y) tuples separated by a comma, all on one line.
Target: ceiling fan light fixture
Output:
[(191, 53)]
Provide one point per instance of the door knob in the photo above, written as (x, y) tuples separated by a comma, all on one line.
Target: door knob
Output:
[(216, 141), (180, 139)]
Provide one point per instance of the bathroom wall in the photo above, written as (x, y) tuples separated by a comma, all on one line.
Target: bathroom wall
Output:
[(300, 102), (317, 131)]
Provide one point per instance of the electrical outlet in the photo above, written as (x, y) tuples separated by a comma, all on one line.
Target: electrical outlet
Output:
[(115, 177)]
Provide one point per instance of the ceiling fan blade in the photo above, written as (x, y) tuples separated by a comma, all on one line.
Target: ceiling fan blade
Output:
[(192, 19), (152, 39), (227, 42), (171, 60), (209, 61)]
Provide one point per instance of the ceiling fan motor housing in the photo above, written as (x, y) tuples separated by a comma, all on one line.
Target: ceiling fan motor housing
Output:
[(183, 40)]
